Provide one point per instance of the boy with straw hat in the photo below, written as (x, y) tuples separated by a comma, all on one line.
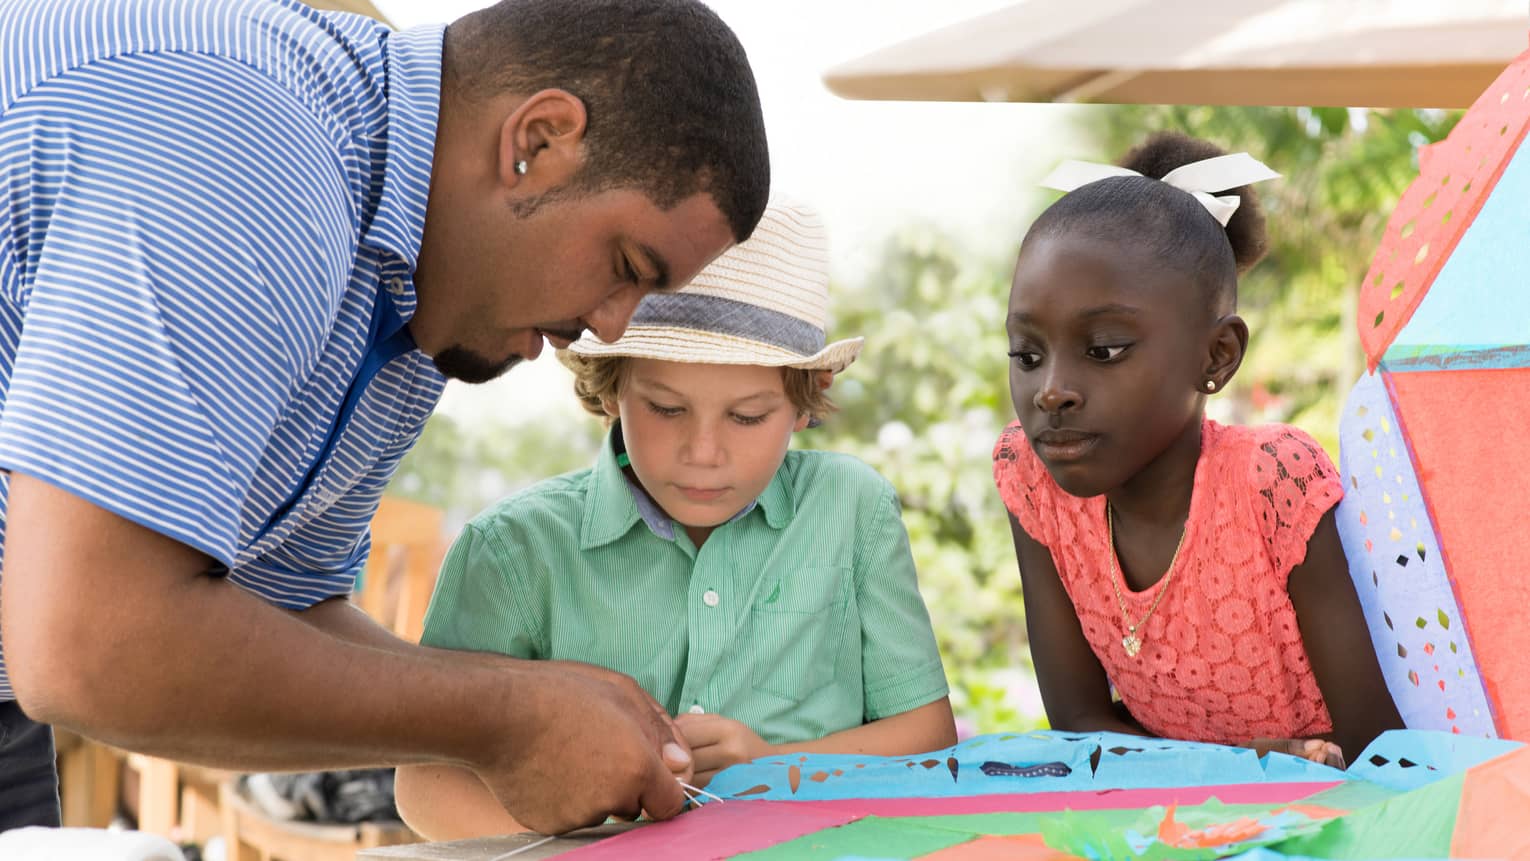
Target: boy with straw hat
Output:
[(765, 597)]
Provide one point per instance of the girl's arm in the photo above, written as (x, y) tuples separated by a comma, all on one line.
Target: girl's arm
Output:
[(718, 742), (1339, 644), (1073, 685), (444, 802)]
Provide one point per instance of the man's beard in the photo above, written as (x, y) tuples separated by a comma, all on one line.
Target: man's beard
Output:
[(460, 363)]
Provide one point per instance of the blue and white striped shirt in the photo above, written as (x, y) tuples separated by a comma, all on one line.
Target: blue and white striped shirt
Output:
[(210, 211)]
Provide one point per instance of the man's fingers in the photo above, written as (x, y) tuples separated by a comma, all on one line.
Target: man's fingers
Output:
[(662, 798)]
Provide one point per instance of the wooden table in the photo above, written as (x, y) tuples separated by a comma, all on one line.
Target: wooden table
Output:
[(490, 848)]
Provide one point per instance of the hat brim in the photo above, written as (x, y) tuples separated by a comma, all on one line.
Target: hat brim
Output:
[(710, 348)]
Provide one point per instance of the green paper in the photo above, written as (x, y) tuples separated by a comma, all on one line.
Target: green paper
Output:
[(988, 824), (1351, 796), (1102, 834), (871, 837), (1417, 824)]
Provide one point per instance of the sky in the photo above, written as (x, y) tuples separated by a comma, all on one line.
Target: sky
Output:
[(870, 167)]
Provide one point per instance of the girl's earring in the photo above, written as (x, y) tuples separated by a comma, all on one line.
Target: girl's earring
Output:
[(520, 168), (1211, 386)]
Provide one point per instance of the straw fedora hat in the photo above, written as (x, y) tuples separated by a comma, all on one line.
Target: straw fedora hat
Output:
[(763, 302)]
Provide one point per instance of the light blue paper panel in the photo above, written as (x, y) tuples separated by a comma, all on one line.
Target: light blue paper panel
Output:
[(1477, 312), (1405, 760), (1394, 558), (1126, 762)]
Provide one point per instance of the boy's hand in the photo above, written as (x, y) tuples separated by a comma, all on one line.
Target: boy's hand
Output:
[(718, 742), (1317, 750)]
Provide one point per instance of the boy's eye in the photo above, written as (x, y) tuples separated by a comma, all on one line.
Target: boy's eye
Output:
[(667, 412), (750, 420), (1026, 359), (1104, 353)]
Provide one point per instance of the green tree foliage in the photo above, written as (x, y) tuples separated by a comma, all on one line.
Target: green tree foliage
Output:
[(923, 405)]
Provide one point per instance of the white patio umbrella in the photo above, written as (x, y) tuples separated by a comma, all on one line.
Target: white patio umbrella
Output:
[(1362, 53)]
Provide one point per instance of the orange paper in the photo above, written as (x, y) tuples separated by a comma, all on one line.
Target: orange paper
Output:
[(1020, 847), (1491, 820), (1465, 429)]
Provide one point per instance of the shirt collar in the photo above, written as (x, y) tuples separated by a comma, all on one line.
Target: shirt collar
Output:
[(615, 503), (414, 104)]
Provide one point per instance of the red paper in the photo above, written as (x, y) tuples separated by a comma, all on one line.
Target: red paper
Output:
[(1465, 430), (1455, 177)]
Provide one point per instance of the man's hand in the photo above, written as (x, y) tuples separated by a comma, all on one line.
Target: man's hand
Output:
[(667, 738), (1320, 751), (582, 744), (718, 742)]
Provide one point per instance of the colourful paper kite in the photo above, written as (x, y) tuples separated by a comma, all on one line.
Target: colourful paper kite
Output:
[(1433, 450), (1412, 795)]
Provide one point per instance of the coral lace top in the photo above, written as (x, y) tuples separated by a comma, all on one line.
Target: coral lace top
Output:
[(1222, 657)]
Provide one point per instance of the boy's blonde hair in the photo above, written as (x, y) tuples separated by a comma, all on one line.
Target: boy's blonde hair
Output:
[(598, 379)]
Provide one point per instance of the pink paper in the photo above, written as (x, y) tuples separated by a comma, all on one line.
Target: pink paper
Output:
[(717, 830), (1044, 802), (733, 827)]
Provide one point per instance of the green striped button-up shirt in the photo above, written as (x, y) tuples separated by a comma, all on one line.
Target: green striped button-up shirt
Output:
[(799, 618)]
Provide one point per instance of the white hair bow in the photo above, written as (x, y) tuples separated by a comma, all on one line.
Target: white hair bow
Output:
[(1198, 178)]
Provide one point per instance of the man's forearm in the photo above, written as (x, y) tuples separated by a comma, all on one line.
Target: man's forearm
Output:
[(204, 672), (340, 617)]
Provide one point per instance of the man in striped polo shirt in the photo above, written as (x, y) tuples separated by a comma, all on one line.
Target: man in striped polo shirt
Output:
[(242, 246)]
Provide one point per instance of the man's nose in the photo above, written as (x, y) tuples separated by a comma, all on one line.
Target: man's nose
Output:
[(610, 318)]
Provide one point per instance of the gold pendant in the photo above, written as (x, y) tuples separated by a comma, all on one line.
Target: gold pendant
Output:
[(1131, 644)]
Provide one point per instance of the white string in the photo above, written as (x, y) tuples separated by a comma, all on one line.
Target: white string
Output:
[(527, 848), (698, 790)]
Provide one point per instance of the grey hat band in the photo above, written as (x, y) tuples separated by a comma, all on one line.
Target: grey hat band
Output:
[(699, 312)]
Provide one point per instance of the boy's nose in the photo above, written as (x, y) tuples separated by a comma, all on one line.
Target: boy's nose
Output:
[(702, 448)]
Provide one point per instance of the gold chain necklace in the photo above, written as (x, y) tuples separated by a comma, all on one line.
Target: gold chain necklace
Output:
[(1131, 642)]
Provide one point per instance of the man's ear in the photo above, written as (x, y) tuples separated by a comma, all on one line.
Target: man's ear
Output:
[(1225, 350), (541, 142)]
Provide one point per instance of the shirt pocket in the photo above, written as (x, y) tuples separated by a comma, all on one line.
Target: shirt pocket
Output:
[(797, 625)]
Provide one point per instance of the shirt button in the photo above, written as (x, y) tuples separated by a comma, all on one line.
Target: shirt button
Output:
[(711, 598), (697, 710), (396, 286)]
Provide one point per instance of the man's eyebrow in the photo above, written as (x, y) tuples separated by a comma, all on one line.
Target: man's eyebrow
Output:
[(659, 264)]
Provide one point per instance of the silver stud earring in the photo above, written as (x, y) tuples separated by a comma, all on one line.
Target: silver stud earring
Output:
[(520, 167), (1211, 385)]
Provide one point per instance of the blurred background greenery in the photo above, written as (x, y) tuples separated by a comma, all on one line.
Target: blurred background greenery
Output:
[(927, 399)]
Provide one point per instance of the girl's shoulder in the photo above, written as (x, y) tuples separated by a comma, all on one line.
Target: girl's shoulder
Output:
[(1286, 478), (1262, 456)]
